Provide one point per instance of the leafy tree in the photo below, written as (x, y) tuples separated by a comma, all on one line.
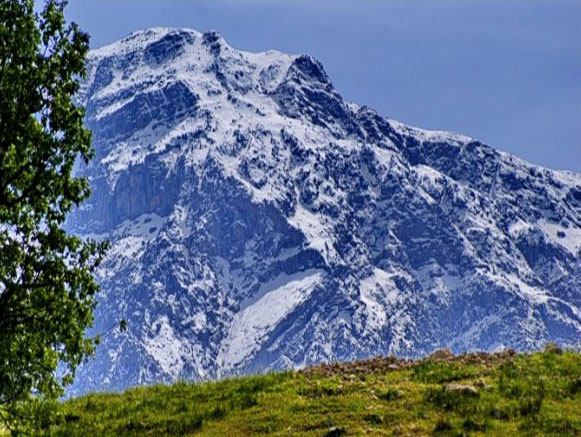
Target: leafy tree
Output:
[(47, 287)]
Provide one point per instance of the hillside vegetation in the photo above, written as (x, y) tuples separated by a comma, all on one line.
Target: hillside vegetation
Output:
[(475, 394)]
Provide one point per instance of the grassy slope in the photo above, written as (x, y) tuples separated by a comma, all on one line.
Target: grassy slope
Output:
[(536, 394)]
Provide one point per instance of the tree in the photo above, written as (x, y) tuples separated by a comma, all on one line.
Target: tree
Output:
[(47, 285)]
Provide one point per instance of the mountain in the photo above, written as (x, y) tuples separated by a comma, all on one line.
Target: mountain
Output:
[(258, 221)]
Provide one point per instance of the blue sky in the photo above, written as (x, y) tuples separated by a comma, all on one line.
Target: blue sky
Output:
[(506, 72)]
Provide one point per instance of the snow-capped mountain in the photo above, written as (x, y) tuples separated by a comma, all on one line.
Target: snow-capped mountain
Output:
[(259, 222)]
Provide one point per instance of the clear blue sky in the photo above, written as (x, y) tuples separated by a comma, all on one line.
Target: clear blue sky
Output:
[(506, 72)]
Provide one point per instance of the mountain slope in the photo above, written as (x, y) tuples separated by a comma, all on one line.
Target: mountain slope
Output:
[(259, 221), (477, 394)]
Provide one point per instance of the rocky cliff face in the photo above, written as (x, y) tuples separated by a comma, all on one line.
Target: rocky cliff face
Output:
[(260, 222)]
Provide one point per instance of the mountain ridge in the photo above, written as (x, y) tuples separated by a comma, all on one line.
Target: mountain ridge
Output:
[(259, 221)]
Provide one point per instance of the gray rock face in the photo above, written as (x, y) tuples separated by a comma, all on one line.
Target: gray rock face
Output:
[(260, 222)]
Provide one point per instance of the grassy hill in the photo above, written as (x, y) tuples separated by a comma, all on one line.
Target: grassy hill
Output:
[(493, 394)]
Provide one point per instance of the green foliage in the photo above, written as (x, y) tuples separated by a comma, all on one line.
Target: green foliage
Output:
[(180, 409), (575, 386), (442, 426), (440, 372), (46, 276), (510, 400), (390, 394), (325, 388), (473, 426), (527, 389)]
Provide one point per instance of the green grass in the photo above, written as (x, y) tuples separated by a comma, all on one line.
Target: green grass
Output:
[(532, 395)]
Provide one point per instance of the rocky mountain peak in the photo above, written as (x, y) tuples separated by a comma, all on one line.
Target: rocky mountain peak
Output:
[(259, 221)]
